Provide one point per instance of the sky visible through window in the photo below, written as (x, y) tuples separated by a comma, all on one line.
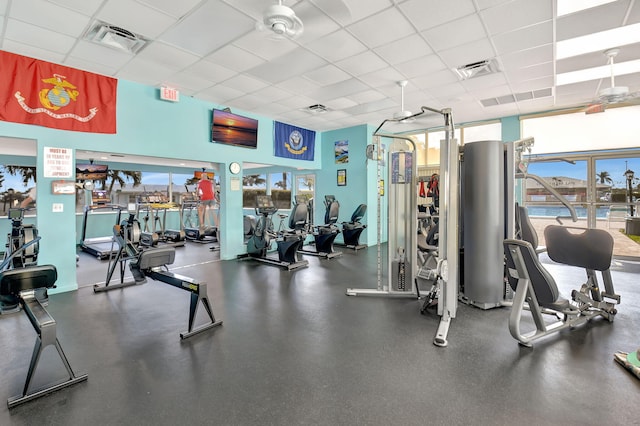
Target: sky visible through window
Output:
[(615, 168)]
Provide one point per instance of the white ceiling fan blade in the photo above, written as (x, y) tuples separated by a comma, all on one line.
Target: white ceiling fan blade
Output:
[(336, 9)]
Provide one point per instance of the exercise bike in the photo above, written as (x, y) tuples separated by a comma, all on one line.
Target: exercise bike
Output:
[(324, 235), (288, 241)]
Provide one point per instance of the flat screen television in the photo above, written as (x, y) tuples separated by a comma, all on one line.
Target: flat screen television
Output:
[(198, 175), (233, 129), (88, 171)]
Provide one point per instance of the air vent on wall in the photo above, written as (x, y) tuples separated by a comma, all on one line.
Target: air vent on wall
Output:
[(477, 69), (517, 97), (115, 37)]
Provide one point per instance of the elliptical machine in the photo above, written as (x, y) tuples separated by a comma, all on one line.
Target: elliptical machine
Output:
[(324, 235), (288, 241)]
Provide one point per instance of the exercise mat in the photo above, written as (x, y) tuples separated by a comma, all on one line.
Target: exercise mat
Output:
[(629, 361)]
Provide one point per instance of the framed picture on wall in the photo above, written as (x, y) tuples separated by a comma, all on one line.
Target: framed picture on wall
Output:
[(342, 177)]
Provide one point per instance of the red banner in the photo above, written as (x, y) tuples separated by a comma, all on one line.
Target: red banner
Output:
[(51, 95)]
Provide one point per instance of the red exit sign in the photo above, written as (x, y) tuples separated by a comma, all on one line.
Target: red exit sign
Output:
[(169, 94)]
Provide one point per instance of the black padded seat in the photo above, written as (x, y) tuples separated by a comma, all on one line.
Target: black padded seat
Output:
[(543, 284)]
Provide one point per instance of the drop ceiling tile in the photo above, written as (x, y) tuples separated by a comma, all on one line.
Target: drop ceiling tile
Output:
[(128, 14), (298, 103), (468, 53), (292, 64), (273, 93), (41, 38), (420, 66), (528, 57), (220, 93), (362, 9), (429, 14), (486, 4), (298, 85), (316, 23), (532, 72), (86, 7), (381, 28), (381, 78), (490, 92), (534, 84), (490, 80), (194, 32), (245, 83), (144, 72), (235, 58), (247, 102), (450, 35), (336, 46), (434, 79), (362, 64), (98, 54), (366, 96), (328, 74), (49, 16), (590, 87), (634, 14), (32, 51), (403, 50), (265, 47), (185, 81), (96, 68), (167, 56), (211, 71), (176, 9), (340, 103), (632, 81), (370, 107), (591, 20), (446, 93), (271, 109), (516, 14), (524, 38), (343, 88)]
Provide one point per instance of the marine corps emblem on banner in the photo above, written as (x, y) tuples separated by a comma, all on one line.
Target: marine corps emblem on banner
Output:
[(293, 142), (55, 98)]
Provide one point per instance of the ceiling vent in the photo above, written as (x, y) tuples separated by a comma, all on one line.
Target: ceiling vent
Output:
[(317, 109), (115, 37), (477, 69), (517, 97)]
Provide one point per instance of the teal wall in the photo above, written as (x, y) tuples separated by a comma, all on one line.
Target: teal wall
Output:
[(361, 178), (151, 127)]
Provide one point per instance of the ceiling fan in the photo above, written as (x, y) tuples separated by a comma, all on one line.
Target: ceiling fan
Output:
[(612, 95), (280, 21)]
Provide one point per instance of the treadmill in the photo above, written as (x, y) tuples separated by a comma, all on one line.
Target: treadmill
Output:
[(100, 247)]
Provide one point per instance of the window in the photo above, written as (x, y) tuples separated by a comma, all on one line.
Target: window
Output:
[(278, 185), (15, 183)]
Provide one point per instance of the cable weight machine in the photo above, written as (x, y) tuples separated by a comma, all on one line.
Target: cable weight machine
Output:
[(402, 244)]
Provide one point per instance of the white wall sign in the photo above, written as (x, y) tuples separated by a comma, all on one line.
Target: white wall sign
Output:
[(58, 162)]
